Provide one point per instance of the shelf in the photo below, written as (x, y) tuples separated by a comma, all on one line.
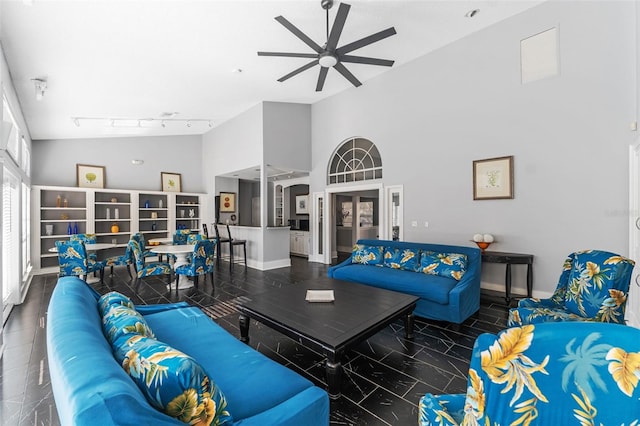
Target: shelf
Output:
[(158, 219), (62, 208)]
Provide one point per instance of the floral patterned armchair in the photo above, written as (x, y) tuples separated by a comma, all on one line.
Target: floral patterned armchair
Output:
[(571, 373), (593, 287)]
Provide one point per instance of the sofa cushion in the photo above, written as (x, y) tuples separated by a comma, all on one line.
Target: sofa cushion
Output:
[(406, 259), (367, 255), (430, 287), (122, 322), (173, 382), (243, 373), (452, 265)]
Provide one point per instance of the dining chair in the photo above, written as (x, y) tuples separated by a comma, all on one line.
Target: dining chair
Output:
[(144, 269), (220, 241), (180, 236), (234, 242), (143, 245), (205, 231), (87, 239), (73, 260), (125, 259), (201, 262)]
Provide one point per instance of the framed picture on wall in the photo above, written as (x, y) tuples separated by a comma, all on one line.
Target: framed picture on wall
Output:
[(88, 176), (493, 178), (227, 202), (171, 182), (302, 204)]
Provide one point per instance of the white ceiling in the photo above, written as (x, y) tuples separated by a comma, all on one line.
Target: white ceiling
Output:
[(139, 59)]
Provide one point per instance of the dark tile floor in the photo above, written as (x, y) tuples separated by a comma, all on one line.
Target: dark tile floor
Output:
[(384, 378)]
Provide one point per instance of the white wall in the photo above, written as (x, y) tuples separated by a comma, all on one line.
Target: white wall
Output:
[(54, 161), (569, 135), (287, 135)]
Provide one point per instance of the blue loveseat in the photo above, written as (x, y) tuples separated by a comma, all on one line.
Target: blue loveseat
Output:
[(90, 387), (445, 294)]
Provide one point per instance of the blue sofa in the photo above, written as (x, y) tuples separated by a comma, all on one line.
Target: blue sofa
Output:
[(442, 297), (90, 387)]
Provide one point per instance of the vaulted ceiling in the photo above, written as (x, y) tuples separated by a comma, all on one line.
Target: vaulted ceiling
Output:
[(189, 59)]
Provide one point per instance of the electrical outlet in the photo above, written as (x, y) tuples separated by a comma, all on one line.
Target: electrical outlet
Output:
[(426, 224), (414, 223)]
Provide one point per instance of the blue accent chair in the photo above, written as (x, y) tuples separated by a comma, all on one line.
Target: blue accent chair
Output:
[(180, 236), (87, 239), (144, 269), (73, 260), (569, 373), (593, 286), (125, 259), (201, 262)]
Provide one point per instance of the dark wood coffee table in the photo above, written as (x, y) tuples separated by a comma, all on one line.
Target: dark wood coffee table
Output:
[(332, 328)]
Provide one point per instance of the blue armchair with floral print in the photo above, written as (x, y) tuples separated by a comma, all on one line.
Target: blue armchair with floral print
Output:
[(593, 286), (571, 373)]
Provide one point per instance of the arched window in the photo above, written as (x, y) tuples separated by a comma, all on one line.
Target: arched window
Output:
[(356, 159)]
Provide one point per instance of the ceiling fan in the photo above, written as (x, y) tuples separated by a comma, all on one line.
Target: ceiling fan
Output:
[(329, 55)]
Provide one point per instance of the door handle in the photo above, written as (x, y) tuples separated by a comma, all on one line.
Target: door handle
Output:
[(637, 283), (638, 223)]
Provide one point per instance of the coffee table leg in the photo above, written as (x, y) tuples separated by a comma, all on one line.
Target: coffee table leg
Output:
[(244, 328), (408, 326), (334, 375)]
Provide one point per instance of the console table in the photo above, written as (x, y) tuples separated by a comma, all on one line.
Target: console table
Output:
[(511, 259)]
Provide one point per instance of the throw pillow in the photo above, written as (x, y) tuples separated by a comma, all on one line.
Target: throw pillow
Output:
[(173, 382), (452, 265), (366, 255), (122, 322), (406, 259), (113, 298)]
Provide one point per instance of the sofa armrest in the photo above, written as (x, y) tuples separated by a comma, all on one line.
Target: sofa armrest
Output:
[(345, 262), (440, 410), (153, 309)]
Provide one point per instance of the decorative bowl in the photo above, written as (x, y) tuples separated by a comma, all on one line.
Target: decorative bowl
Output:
[(482, 245)]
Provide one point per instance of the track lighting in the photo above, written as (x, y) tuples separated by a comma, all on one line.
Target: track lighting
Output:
[(140, 122)]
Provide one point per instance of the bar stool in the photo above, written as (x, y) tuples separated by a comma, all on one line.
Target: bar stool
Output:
[(219, 241), (233, 243)]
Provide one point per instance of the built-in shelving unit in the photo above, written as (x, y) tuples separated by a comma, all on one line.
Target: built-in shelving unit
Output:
[(93, 211), (112, 208), (278, 206), (60, 211), (188, 212), (153, 215)]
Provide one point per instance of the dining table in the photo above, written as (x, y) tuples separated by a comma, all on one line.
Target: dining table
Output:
[(181, 253)]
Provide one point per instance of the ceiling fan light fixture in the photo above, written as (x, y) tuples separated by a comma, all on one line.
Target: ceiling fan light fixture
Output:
[(327, 60)]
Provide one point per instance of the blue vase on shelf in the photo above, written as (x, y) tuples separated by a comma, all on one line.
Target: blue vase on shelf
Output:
[(75, 228), (69, 229)]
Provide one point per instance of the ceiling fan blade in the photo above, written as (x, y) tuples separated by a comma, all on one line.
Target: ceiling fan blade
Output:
[(302, 36), (338, 25), (366, 41), (289, 55), (298, 71), (321, 78), (345, 72), (364, 60)]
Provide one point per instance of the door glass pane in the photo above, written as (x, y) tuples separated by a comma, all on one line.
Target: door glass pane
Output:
[(320, 238)]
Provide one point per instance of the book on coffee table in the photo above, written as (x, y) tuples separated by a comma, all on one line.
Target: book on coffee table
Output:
[(320, 296)]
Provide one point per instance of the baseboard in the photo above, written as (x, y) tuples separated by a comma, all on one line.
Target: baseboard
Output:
[(515, 291), (265, 266)]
